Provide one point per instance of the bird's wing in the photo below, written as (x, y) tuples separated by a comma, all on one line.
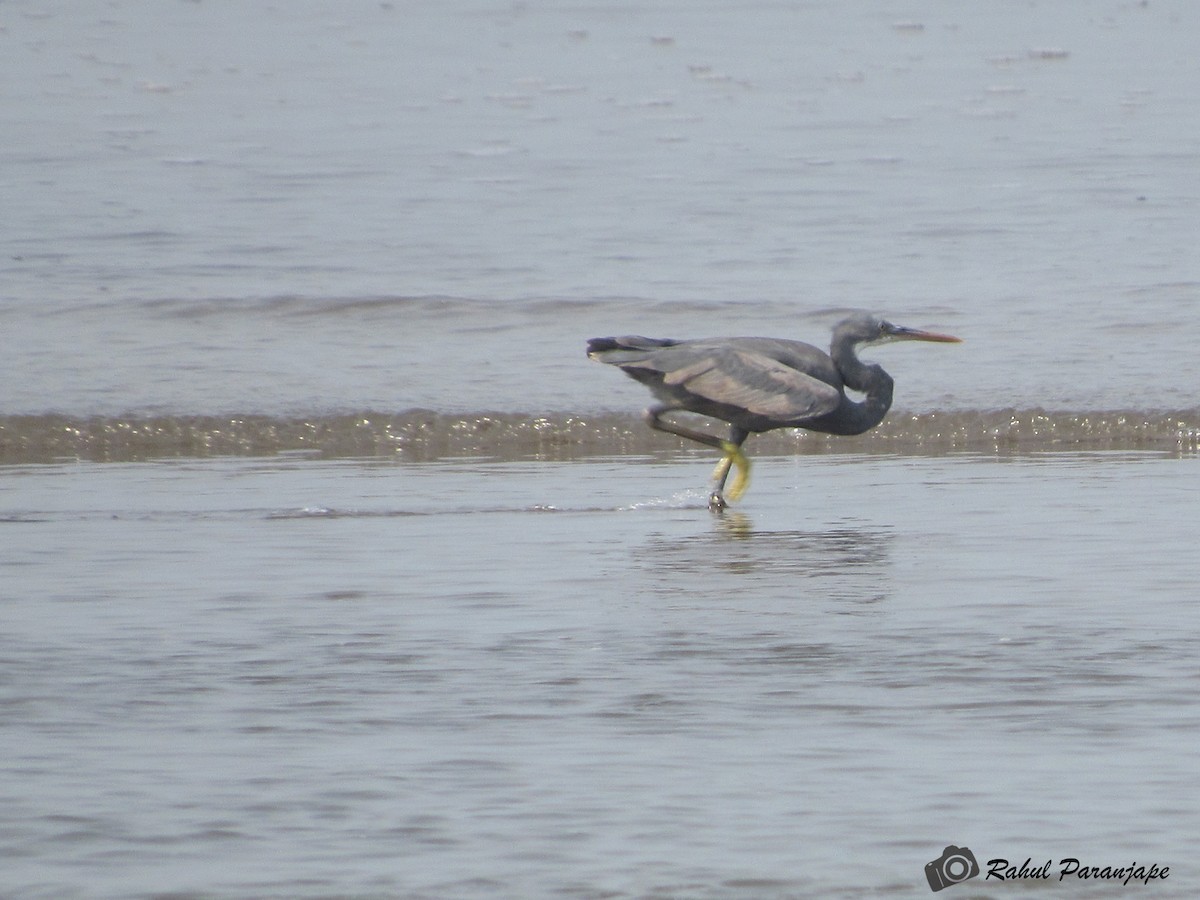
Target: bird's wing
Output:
[(756, 383)]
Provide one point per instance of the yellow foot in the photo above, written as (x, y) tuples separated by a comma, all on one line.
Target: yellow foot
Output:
[(741, 478)]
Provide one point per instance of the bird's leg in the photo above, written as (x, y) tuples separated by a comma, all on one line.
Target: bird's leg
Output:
[(731, 447), (654, 420), (733, 457), (716, 500)]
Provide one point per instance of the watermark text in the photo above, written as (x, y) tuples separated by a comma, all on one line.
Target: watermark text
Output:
[(1070, 867)]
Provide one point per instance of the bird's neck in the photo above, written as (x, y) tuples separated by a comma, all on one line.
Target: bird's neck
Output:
[(870, 380)]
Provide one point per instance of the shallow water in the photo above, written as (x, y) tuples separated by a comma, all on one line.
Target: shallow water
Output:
[(331, 567), (537, 679)]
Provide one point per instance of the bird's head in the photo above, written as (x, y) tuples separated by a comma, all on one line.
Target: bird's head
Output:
[(869, 329)]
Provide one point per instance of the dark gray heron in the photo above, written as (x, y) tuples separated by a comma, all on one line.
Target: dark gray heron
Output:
[(759, 384)]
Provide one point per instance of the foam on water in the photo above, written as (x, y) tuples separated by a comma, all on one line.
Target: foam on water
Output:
[(422, 435)]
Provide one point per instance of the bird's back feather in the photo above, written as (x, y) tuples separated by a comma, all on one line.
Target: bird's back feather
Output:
[(760, 383)]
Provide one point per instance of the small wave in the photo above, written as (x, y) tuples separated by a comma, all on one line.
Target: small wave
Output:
[(422, 435), (321, 512)]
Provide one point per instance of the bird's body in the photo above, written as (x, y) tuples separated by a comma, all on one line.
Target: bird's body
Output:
[(760, 384), (757, 384)]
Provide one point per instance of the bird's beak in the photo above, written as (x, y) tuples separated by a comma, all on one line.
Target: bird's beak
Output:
[(900, 333)]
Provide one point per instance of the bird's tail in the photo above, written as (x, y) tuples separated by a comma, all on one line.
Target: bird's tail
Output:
[(630, 348)]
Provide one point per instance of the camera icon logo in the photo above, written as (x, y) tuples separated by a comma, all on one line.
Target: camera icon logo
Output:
[(954, 865)]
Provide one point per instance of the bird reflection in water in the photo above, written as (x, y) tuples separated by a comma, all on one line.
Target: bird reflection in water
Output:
[(847, 565)]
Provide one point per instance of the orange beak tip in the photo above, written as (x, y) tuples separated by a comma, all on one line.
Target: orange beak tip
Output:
[(936, 338)]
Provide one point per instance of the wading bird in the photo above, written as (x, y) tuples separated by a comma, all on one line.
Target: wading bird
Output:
[(759, 384)]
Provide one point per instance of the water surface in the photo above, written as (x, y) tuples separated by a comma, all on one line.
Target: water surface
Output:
[(570, 679), (331, 567)]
